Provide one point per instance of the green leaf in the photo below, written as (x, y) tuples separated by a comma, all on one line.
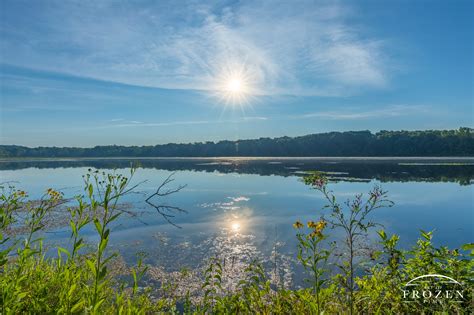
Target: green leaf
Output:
[(114, 217), (468, 246), (426, 235), (21, 295), (77, 306), (103, 272), (98, 226), (109, 258), (73, 227), (382, 234), (134, 274), (91, 266), (71, 289), (90, 189), (103, 244), (78, 244), (63, 250), (99, 303)]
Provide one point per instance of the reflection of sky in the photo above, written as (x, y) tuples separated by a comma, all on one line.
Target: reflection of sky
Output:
[(242, 217)]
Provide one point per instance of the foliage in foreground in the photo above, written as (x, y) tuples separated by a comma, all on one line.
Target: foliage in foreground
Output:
[(81, 281)]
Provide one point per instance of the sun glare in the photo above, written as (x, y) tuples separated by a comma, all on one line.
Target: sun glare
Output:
[(235, 85), (235, 226)]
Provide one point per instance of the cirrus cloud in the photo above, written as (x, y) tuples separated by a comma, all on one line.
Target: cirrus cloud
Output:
[(299, 48)]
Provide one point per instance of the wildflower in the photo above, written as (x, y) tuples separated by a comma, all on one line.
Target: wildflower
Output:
[(53, 194), (20, 194), (311, 224), (376, 193), (298, 225), (321, 225), (319, 182), (315, 233), (317, 227)]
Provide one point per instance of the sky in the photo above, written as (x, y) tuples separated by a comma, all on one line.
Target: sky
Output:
[(86, 73)]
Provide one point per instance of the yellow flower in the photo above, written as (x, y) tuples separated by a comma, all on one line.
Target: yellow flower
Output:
[(20, 194), (317, 227), (311, 224), (315, 234), (298, 225), (53, 194), (321, 225)]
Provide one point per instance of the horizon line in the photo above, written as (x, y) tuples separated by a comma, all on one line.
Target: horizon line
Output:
[(248, 139)]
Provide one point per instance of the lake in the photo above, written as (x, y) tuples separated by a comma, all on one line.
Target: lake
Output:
[(241, 209)]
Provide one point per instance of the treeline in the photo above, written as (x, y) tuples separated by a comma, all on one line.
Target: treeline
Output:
[(352, 143)]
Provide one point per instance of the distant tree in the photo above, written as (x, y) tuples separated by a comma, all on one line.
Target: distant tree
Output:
[(352, 143)]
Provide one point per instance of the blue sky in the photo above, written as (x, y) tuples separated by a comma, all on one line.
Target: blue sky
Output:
[(84, 73)]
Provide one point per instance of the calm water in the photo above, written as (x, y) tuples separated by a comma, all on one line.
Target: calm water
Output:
[(242, 209)]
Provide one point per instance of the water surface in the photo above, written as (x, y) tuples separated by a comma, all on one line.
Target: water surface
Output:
[(243, 209)]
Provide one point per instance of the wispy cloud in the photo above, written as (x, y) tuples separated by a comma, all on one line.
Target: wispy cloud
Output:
[(302, 48), (157, 124), (40, 107), (121, 123), (386, 112)]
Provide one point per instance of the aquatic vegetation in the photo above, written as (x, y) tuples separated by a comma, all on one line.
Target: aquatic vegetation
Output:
[(342, 277)]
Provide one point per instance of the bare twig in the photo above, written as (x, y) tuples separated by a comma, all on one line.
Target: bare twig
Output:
[(166, 211)]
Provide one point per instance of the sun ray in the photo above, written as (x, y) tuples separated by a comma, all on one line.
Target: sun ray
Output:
[(235, 85)]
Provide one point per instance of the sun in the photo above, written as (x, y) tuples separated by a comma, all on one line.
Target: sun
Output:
[(235, 85), (235, 89)]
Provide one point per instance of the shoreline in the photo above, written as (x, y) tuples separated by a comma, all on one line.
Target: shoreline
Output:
[(248, 158)]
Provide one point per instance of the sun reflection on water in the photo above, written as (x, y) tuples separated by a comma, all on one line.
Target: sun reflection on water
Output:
[(235, 226)]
